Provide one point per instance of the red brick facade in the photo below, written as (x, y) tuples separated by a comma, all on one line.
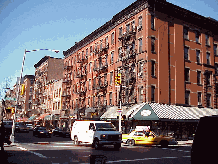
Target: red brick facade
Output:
[(162, 55)]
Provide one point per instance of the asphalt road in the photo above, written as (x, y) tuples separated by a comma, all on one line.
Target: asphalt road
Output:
[(58, 150)]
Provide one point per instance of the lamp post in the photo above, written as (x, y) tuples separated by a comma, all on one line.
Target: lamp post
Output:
[(18, 89)]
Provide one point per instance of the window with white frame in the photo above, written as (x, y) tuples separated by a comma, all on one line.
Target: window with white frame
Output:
[(186, 53), (208, 101), (127, 27), (140, 23), (110, 98), (198, 56), (187, 97), (199, 98), (152, 93), (140, 45), (112, 38), (215, 49), (208, 58), (207, 40), (112, 57), (197, 36), (111, 77), (185, 32), (198, 77)]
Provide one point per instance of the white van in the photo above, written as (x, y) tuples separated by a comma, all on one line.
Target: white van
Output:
[(97, 133)]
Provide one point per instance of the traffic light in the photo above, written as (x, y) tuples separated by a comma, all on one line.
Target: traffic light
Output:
[(118, 79), (22, 89)]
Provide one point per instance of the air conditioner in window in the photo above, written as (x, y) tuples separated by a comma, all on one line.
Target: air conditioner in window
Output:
[(140, 74)]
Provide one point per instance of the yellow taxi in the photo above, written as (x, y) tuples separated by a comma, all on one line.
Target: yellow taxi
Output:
[(146, 138)]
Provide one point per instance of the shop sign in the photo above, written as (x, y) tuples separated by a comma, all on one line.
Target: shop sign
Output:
[(146, 112)]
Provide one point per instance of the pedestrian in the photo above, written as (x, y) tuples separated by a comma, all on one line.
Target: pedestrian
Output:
[(2, 136)]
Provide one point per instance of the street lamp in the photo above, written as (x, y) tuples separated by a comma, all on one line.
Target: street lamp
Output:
[(18, 89)]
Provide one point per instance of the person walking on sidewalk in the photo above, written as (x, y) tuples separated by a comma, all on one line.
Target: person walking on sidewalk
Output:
[(2, 136)]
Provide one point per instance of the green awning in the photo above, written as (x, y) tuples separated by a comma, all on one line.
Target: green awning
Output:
[(145, 113)]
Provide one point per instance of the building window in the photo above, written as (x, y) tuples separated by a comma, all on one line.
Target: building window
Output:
[(140, 45), (120, 52), (198, 77), (153, 68), (208, 78), (87, 52), (208, 103), (199, 99), (215, 49), (207, 40), (140, 67), (89, 84), (197, 36), (208, 58), (187, 97), (152, 93), (140, 23), (140, 94), (185, 32), (101, 45), (133, 25), (127, 27), (111, 77), (90, 67), (187, 72), (198, 57), (216, 68), (112, 57), (152, 44), (120, 31), (186, 51), (112, 38), (106, 41), (152, 22), (110, 98)]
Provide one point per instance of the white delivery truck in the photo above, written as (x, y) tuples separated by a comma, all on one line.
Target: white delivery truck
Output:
[(97, 133)]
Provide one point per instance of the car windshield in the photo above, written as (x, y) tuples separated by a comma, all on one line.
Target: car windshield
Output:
[(105, 127), (42, 128)]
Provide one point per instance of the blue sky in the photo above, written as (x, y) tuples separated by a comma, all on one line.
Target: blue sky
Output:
[(58, 24)]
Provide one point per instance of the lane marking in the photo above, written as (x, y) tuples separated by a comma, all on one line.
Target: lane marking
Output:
[(132, 160), (38, 154)]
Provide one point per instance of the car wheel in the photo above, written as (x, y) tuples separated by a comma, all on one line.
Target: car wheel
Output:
[(76, 141), (164, 143), (117, 146), (97, 145), (131, 142)]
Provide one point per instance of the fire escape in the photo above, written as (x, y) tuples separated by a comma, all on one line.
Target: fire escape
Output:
[(81, 89), (127, 55), (66, 95), (100, 82)]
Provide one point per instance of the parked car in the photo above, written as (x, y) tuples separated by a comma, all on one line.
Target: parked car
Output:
[(21, 127), (65, 133), (57, 132), (29, 126), (140, 137), (204, 150), (41, 131)]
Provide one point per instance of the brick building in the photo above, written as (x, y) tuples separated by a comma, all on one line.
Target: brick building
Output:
[(46, 70), (26, 97), (164, 56)]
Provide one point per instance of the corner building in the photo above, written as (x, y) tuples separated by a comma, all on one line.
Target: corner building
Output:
[(165, 54)]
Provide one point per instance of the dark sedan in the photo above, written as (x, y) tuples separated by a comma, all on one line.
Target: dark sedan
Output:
[(41, 131)]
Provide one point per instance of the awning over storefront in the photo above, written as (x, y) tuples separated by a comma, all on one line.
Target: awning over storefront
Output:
[(155, 111), (42, 116), (32, 118)]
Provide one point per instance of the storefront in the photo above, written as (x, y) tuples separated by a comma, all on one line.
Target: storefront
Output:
[(168, 120)]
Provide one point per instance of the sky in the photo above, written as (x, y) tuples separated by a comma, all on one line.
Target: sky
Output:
[(58, 24)]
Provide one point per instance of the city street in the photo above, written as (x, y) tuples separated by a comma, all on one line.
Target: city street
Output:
[(54, 150)]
